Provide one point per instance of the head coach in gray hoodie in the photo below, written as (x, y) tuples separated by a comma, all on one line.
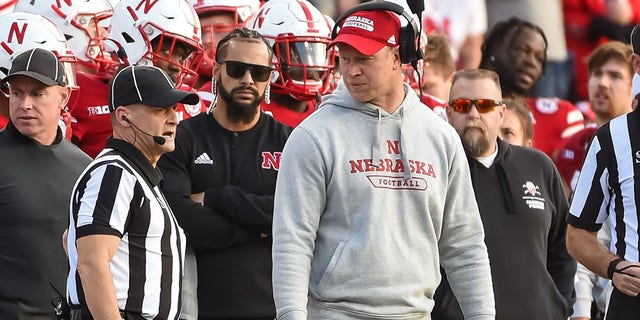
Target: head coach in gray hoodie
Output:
[(374, 193)]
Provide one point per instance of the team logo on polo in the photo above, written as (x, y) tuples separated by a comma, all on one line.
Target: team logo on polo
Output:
[(532, 196)]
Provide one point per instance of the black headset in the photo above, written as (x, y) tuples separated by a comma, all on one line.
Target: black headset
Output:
[(408, 34)]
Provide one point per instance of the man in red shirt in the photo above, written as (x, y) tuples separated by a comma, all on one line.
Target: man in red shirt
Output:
[(610, 75), (516, 50)]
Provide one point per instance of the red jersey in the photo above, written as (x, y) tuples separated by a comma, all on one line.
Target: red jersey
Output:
[(91, 120), (553, 121), (186, 111), (285, 115), (206, 94), (577, 17), (437, 105), (3, 122), (572, 153)]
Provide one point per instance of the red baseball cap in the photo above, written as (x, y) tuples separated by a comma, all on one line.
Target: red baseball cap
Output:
[(369, 31)]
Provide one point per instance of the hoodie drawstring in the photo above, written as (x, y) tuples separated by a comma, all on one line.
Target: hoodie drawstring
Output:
[(375, 151), (404, 147)]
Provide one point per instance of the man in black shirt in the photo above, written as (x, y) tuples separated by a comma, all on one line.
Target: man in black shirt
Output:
[(522, 205), (38, 168), (221, 179)]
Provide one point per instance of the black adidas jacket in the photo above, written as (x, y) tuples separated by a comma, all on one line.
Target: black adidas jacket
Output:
[(231, 233)]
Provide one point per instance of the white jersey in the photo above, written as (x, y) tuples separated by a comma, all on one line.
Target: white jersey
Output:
[(457, 19)]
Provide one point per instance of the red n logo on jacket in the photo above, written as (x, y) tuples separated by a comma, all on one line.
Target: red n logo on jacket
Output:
[(271, 160)]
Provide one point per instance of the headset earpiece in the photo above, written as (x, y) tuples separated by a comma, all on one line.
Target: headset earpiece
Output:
[(408, 34), (125, 118)]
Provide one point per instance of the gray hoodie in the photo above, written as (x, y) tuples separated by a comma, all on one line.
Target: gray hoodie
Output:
[(368, 205)]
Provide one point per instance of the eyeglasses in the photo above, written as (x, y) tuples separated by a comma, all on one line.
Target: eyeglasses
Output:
[(463, 105), (237, 70)]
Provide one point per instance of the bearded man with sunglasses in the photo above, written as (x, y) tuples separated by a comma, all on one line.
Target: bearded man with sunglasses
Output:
[(522, 205), (220, 182)]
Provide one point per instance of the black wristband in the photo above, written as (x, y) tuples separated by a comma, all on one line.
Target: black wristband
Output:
[(612, 267)]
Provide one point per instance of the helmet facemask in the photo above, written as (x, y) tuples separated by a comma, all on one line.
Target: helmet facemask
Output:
[(178, 58), (303, 66), (87, 41)]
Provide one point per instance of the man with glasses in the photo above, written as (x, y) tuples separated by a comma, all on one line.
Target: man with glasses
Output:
[(522, 205), (221, 179)]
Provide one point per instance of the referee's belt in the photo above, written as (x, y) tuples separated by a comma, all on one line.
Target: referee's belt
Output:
[(81, 312)]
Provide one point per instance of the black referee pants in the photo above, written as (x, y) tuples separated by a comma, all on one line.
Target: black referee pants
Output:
[(623, 307)]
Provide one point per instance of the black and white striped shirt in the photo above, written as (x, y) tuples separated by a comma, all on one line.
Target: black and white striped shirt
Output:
[(609, 185), (118, 194)]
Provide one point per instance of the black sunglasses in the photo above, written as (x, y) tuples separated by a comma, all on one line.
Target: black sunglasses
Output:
[(237, 70), (463, 105)]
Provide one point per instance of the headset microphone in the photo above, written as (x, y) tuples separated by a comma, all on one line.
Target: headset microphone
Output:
[(157, 139)]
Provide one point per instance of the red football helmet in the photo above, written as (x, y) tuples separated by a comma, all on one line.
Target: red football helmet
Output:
[(149, 32), (22, 31), (84, 24), (218, 18)]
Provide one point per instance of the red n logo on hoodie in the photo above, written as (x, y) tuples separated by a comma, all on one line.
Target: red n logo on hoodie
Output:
[(393, 147)]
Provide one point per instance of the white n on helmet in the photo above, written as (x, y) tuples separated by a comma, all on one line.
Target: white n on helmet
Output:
[(22, 31), (237, 11), (299, 34), (83, 23), (137, 23)]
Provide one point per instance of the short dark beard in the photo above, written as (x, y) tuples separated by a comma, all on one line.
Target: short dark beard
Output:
[(239, 111)]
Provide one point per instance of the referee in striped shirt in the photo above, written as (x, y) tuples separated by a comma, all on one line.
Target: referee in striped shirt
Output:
[(126, 249), (609, 188)]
